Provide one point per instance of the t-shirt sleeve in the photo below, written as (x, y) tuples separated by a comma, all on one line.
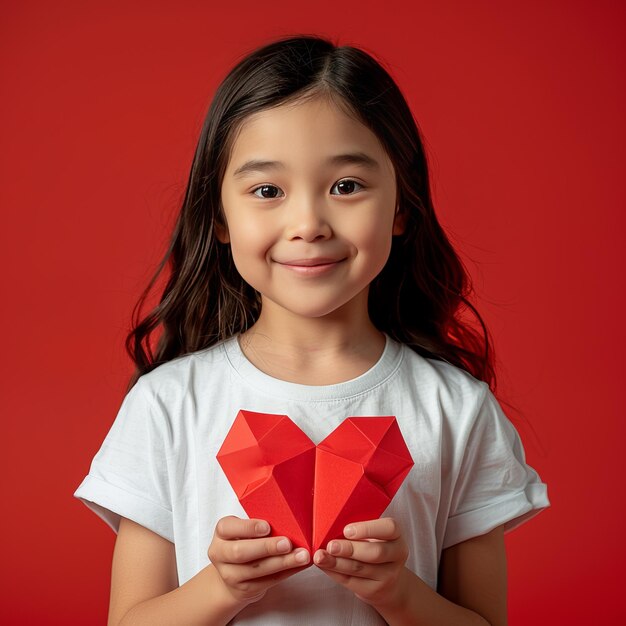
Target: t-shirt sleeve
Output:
[(494, 485), (129, 474)]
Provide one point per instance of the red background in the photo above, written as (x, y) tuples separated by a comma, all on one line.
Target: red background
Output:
[(521, 105)]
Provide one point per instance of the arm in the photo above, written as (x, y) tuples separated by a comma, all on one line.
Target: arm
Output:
[(472, 582), (473, 574), (144, 582)]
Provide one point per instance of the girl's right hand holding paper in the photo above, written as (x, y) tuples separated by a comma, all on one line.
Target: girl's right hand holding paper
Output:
[(248, 561)]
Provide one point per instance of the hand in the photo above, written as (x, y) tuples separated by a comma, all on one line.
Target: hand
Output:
[(248, 562), (369, 562)]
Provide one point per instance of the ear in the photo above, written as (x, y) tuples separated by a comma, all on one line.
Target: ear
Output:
[(399, 222), (221, 233), (221, 229)]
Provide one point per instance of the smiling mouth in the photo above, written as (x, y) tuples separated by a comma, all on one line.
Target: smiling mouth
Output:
[(311, 266), (310, 262)]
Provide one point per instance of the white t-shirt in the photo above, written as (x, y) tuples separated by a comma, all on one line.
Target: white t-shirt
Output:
[(157, 465)]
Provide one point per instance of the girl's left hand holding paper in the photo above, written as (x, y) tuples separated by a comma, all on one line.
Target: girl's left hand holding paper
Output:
[(369, 562)]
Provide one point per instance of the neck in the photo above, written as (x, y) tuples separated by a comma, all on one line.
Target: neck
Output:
[(313, 351)]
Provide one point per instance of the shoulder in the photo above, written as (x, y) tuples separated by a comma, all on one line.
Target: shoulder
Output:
[(183, 374), (468, 411), (169, 398), (442, 384), (153, 408)]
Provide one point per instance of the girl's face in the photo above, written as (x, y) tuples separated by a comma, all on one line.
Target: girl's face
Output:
[(309, 198)]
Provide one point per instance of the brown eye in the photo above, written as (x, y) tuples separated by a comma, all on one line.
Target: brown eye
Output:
[(267, 191), (346, 187)]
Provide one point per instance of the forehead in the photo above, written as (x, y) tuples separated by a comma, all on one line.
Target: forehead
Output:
[(304, 131)]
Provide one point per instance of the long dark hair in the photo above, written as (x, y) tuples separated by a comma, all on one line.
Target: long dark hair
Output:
[(422, 296)]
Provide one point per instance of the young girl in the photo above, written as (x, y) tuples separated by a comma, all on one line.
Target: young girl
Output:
[(309, 277)]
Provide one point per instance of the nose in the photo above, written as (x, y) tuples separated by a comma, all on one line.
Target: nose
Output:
[(306, 220)]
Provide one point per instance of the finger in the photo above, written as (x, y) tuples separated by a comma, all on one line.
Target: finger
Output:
[(246, 550), (253, 586), (368, 551), (360, 586), (350, 567), (262, 568), (232, 527), (385, 529)]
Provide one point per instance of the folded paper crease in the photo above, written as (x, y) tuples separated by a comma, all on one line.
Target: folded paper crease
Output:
[(307, 492)]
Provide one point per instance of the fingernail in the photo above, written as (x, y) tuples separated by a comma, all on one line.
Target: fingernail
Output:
[(302, 557), (262, 528), (349, 531), (283, 545), (334, 547)]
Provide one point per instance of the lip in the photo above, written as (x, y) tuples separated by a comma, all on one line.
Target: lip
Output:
[(311, 267)]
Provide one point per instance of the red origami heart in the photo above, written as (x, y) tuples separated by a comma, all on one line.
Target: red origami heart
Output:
[(307, 492)]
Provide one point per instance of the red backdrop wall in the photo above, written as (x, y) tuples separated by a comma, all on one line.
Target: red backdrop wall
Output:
[(521, 105)]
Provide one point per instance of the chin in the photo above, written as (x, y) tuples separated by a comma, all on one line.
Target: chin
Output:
[(315, 310)]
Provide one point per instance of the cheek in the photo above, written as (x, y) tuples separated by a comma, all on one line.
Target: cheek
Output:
[(381, 252), (249, 243), (244, 232), (374, 231), (374, 241)]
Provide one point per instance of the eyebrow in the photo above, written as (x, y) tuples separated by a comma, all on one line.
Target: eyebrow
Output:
[(352, 158)]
